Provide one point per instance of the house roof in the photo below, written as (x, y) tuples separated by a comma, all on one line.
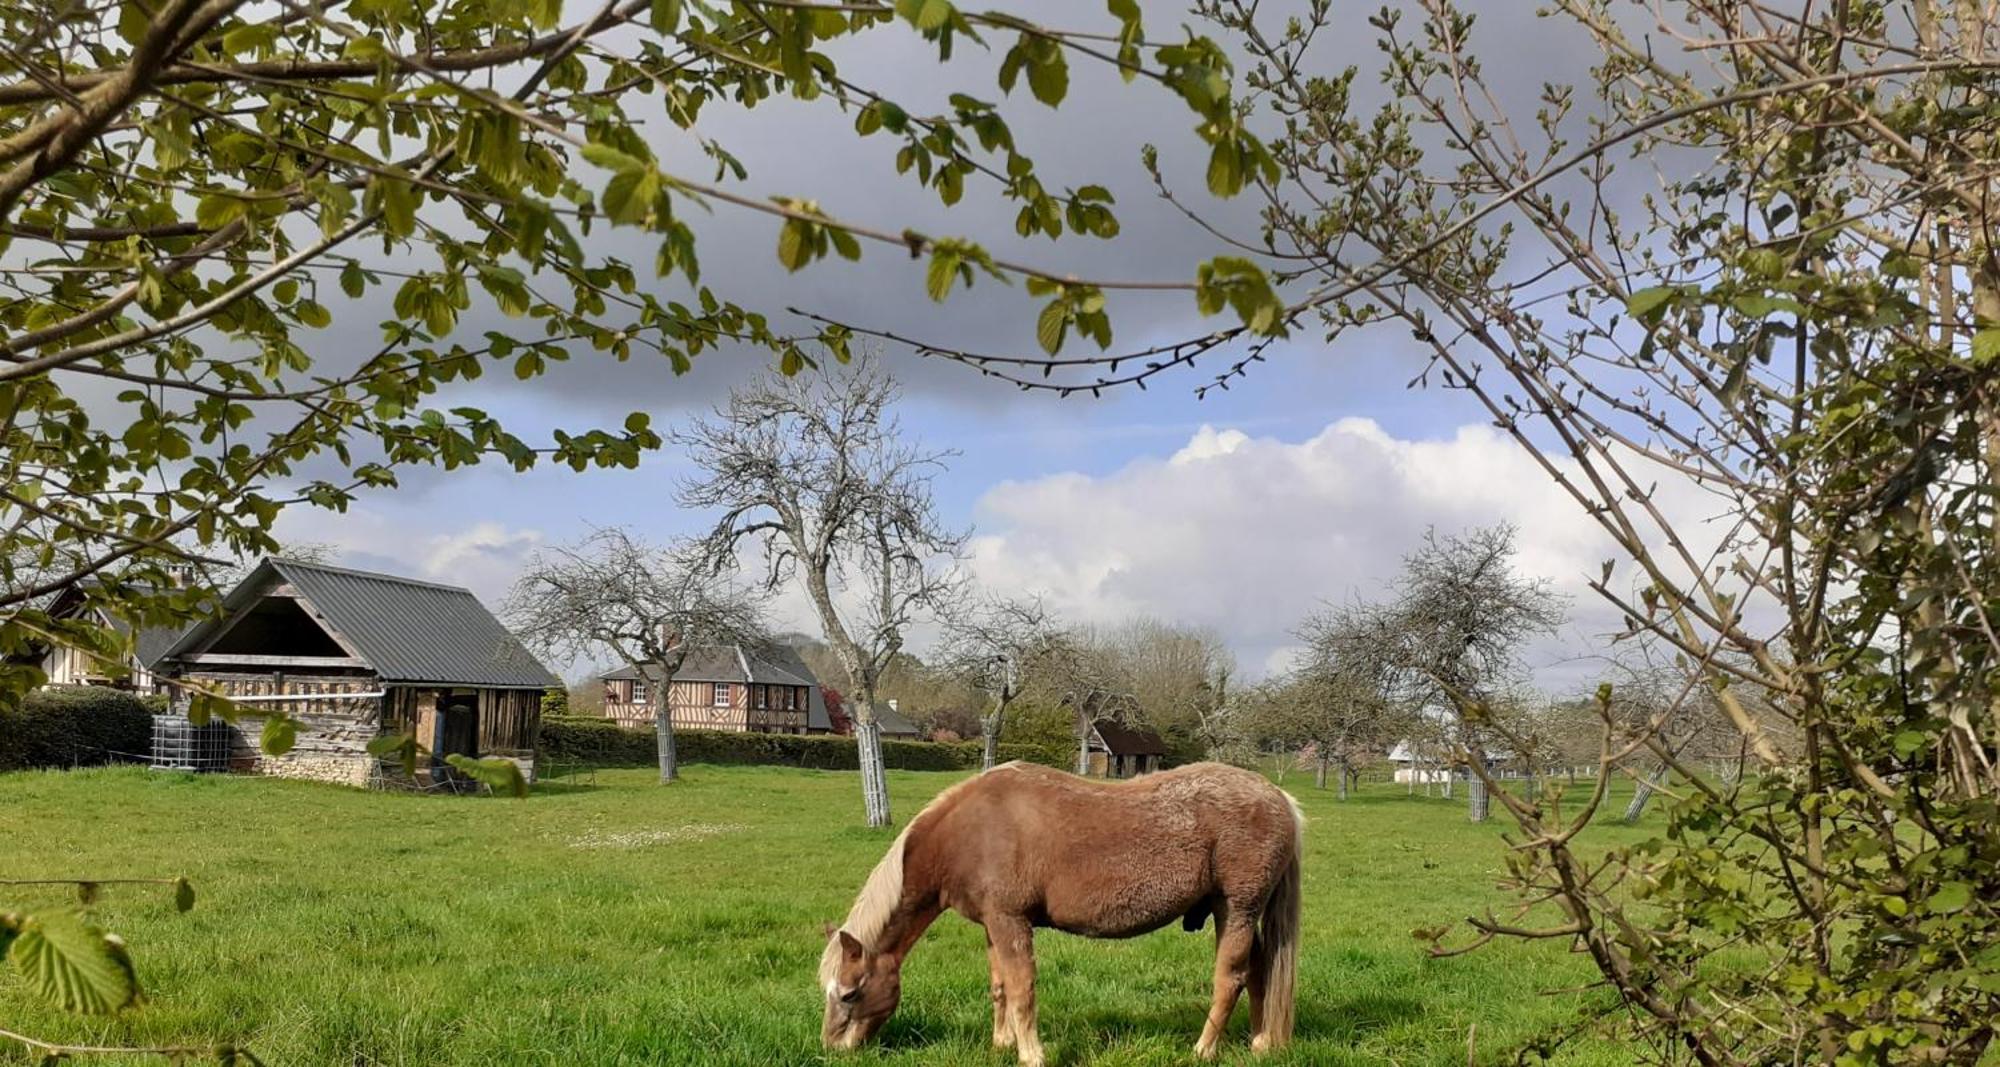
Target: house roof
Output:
[(1121, 739), (893, 722), (147, 648), (777, 665), (407, 630)]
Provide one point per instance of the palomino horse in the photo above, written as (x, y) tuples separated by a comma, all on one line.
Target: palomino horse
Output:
[(1022, 846)]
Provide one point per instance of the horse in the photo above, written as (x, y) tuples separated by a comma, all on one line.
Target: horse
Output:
[(1022, 846)]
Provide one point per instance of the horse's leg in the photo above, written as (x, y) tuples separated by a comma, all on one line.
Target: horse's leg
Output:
[(1236, 934), (1013, 940), (1260, 978), (1003, 1027)]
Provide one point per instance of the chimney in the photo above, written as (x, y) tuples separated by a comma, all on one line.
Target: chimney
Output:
[(892, 703)]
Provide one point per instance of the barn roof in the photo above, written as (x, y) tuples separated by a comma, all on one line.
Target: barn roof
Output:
[(1124, 740), (409, 631)]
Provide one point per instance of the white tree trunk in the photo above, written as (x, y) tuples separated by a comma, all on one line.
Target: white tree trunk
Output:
[(1082, 742), (663, 730), (1319, 772), (874, 778), (1475, 799), (1343, 780), (989, 735), (1641, 795)]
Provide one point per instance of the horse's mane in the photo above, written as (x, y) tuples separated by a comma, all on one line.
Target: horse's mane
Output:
[(881, 892)]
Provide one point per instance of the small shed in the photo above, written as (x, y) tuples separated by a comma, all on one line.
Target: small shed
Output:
[(1123, 750), (354, 655)]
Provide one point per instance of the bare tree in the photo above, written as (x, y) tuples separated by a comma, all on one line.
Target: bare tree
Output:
[(611, 592), (1343, 700), (1179, 679), (1451, 638), (997, 647), (813, 469)]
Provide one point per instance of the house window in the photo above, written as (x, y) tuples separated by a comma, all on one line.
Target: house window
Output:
[(638, 692), (763, 696), (791, 699), (721, 694)]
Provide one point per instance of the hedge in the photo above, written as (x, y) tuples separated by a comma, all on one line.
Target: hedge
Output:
[(582, 739), (76, 726)]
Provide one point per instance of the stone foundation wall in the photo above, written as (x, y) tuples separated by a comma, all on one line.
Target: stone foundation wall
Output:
[(333, 770)]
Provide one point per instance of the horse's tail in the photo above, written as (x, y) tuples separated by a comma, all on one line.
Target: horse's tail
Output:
[(1277, 945)]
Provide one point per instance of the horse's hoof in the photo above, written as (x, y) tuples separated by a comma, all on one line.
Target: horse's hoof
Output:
[(1204, 1051), (1260, 1044)]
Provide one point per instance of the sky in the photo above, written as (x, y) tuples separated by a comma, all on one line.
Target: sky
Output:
[(1301, 486)]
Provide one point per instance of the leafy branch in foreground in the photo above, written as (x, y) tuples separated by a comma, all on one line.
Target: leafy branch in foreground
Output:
[(197, 195), (74, 964), (1737, 295)]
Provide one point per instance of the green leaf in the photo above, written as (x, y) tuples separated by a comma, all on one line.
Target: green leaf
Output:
[(1049, 79), (666, 15), (937, 280), (1051, 326), (280, 733), (795, 244), (612, 159), (1910, 742), (73, 964), (183, 895), (493, 771), (1647, 301), (1986, 345), (1225, 175), (1950, 897), (352, 281), (216, 211)]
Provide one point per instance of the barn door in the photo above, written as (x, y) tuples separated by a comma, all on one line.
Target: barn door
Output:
[(458, 726)]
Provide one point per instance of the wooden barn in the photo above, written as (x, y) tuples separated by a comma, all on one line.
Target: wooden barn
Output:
[(720, 687), (354, 655), (1121, 750)]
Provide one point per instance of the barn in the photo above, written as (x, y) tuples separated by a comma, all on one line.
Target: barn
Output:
[(353, 655), (1124, 750)]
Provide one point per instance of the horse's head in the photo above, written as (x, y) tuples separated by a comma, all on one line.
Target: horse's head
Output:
[(862, 990)]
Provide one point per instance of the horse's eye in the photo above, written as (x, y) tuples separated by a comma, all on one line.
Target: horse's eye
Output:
[(851, 995)]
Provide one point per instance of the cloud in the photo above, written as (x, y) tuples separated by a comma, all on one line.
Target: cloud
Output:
[(483, 556), (1249, 534)]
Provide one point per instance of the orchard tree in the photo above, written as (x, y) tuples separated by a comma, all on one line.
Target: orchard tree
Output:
[(815, 473), (646, 606), (1000, 646)]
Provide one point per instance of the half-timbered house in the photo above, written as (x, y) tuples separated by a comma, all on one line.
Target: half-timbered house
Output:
[(719, 687)]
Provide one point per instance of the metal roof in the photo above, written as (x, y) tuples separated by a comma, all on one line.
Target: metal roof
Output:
[(409, 631)]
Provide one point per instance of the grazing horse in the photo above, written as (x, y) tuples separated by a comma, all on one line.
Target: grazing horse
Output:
[(1022, 846)]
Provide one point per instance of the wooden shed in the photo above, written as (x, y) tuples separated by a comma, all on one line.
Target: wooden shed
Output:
[(354, 655), (1123, 750)]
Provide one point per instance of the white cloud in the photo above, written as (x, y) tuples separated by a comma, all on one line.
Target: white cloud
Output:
[(483, 556), (1250, 534)]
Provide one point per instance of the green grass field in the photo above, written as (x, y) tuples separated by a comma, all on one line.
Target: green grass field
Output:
[(622, 922)]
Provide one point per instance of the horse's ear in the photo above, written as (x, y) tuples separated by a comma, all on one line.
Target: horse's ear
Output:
[(849, 947)]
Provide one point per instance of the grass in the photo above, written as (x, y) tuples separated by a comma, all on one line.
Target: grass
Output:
[(620, 922)]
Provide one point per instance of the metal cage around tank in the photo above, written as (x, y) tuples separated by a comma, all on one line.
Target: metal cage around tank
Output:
[(180, 745)]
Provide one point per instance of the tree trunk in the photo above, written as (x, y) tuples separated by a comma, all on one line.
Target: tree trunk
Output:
[(663, 730), (1475, 798), (874, 779), (1450, 772), (989, 735), (1643, 794), (1343, 780), (1082, 741), (1319, 773)]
